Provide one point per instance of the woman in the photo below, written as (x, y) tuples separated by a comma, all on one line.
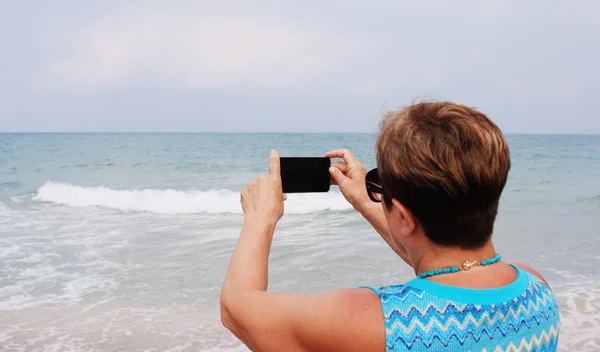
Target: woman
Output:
[(433, 199)]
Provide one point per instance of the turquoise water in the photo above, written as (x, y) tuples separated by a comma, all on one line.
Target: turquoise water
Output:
[(121, 241)]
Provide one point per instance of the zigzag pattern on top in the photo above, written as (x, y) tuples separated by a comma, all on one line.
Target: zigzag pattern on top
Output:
[(417, 320), (483, 318)]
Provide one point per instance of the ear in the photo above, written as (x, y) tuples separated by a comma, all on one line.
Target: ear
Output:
[(406, 219)]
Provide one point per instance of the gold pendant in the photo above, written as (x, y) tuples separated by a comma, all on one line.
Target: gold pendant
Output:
[(467, 265)]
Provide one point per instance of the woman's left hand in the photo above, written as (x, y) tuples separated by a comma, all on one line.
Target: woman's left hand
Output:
[(263, 198)]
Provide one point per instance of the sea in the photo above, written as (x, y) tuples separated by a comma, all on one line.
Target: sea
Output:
[(120, 242)]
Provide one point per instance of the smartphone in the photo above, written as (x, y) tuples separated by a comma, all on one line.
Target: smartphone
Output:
[(305, 174)]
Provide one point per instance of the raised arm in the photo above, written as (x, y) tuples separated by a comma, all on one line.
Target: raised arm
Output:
[(338, 320), (350, 175)]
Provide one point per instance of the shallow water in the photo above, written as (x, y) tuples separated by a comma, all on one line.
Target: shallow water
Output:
[(119, 242)]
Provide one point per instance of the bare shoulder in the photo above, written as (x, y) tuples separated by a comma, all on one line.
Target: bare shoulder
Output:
[(337, 320), (346, 320), (531, 270)]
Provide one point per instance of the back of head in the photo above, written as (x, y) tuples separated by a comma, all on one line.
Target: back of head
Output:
[(448, 164)]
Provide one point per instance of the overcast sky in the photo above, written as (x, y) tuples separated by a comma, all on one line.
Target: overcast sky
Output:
[(310, 65)]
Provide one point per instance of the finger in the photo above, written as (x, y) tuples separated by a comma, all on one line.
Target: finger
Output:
[(342, 166), (345, 154), (337, 176), (274, 165)]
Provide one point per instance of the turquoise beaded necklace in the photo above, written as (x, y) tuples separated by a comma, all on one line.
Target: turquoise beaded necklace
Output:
[(465, 266)]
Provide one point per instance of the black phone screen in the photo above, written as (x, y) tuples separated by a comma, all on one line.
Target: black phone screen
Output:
[(305, 174)]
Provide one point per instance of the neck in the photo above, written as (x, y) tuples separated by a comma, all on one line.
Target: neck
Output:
[(435, 257)]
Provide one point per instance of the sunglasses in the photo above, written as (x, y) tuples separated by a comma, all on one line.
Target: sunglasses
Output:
[(374, 188)]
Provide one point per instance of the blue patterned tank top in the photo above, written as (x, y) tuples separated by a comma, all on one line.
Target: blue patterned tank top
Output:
[(422, 315)]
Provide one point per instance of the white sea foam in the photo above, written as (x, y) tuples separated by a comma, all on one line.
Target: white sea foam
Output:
[(579, 303), (171, 201), (4, 209)]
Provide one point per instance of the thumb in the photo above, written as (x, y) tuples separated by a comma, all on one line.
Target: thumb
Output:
[(337, 175)]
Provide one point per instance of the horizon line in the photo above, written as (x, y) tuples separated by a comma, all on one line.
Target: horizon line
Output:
[(273, 132)]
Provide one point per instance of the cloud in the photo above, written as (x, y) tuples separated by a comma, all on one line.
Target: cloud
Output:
[(150, 64), (197, 49)]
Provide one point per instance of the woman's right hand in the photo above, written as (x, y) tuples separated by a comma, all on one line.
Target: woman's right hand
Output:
[(349, 176)]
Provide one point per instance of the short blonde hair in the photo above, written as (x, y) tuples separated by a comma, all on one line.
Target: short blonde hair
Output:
[(448, 164)]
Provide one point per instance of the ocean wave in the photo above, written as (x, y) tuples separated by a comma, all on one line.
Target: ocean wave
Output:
[(170, 201), (579, 303), (10, 185), (3, 208)]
